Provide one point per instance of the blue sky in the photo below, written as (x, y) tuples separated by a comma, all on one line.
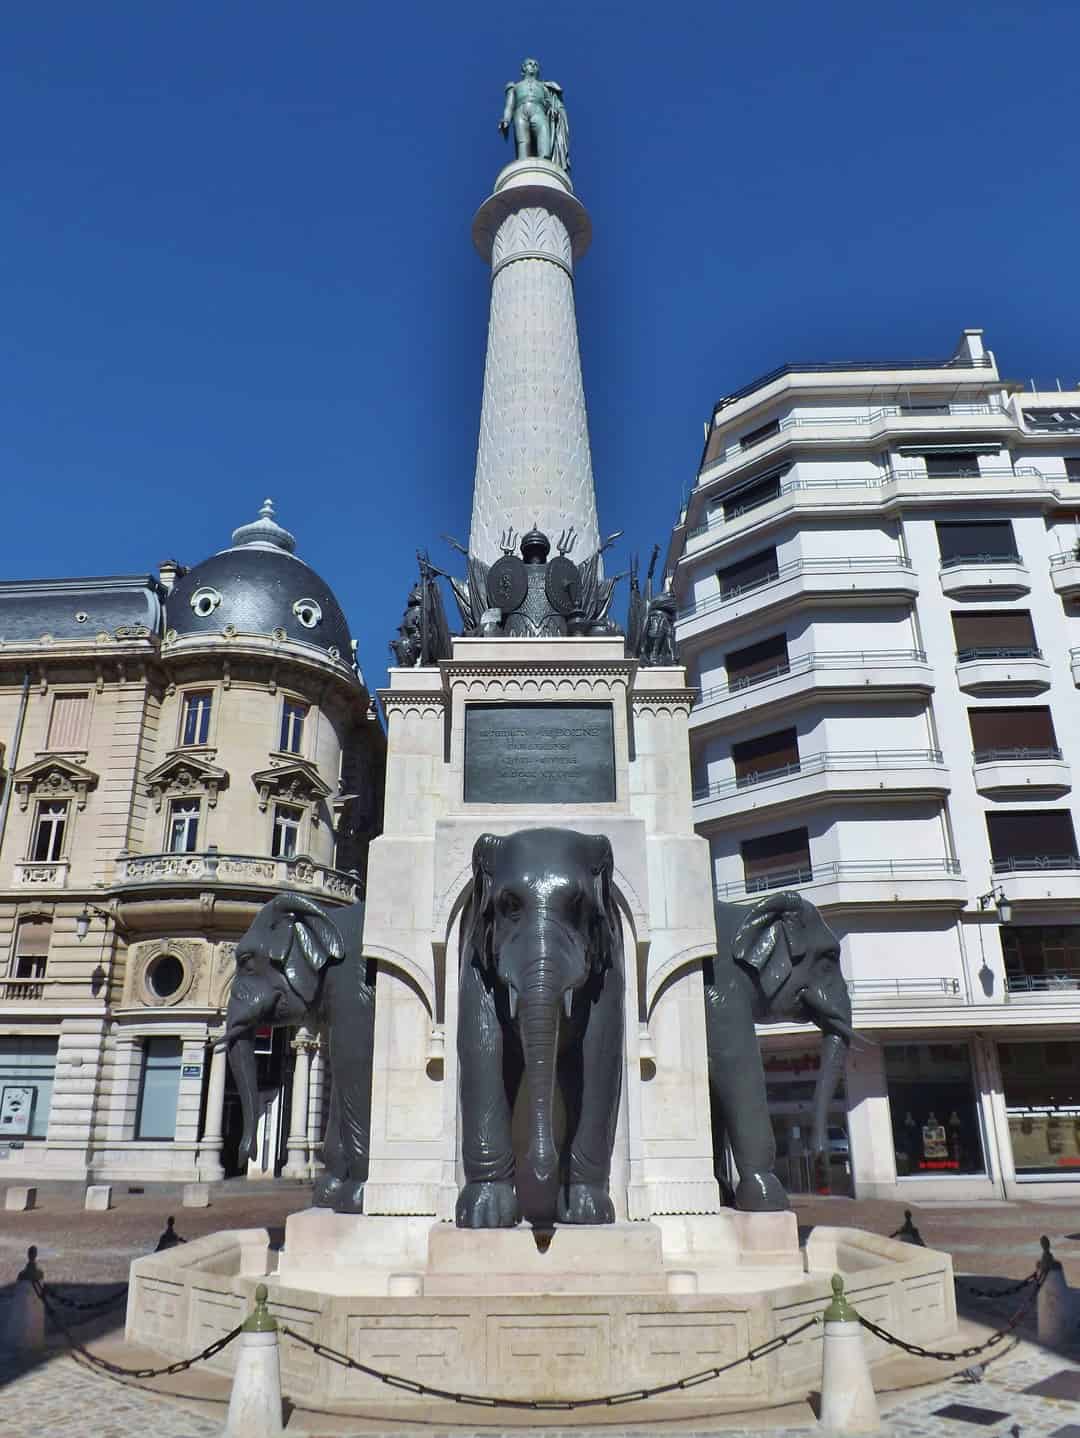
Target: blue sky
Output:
[(236, 256)]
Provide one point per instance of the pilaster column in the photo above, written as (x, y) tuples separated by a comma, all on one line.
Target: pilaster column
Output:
[(296, 1165), (211, 1169), (316, 1105)]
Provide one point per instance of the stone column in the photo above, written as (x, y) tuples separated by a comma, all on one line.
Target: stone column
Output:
[(211, 1169), (533, 463), (316, 1083), (296, 1165)]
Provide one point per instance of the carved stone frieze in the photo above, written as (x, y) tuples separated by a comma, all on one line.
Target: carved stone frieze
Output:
[(295, 782), (54, 778), (184, 775)]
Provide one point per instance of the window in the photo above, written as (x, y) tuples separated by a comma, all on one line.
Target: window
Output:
[(757, 661), (989, 540), (49, 829), (748, 573), (927, 408), (183, 826), (1072, 468), (195, 722), (293, 714), (776, 860), (1042, 1099), (158, 1090), (1013, 733), (1032, 839), (67, 722), (31, 949), (763, 432), (935, 1115), (953, 464), (756, 759), (994, 633), (27, 1066), (751, 496), (1041, 957), (286, 838)]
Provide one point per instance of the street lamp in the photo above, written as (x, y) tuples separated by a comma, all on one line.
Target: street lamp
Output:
[(997, 897), (82, 920)]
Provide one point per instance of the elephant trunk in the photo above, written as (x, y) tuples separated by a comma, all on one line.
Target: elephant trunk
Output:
[(241, 1051), (538, 1170)]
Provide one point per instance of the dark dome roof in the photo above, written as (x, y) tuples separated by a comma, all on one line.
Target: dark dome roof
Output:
[(257, 586)]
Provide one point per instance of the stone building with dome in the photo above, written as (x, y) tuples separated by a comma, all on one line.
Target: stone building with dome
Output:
[(173, 750)]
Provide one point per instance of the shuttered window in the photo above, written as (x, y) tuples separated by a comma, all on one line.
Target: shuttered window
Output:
[(67, 722), (1005, 731), (1032, 838), (960, 463), (768, 656), (994, 631), (31, 948), (751, 496), (747, 573), (776, 859), (754, 758), (763, 431), (990, 539)]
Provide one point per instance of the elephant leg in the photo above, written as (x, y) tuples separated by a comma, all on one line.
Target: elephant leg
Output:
[(586, 1198), (737, 1087), (330, 1185), (350, 1008), (488, 1199)]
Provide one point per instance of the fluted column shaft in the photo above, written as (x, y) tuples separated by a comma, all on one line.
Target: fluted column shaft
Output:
[(296, 1165)]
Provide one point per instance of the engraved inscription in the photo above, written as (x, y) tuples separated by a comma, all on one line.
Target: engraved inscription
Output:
[(539, 754)]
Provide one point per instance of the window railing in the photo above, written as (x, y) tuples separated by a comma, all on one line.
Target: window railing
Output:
[(953, 561), (802, 663), (854, 367), (837, 870), (1010, 756), (1040, 983), (21, 990), (866, 563), (998, 651), (1026, 863), (930, 987), (833, 760), (1067, 556)]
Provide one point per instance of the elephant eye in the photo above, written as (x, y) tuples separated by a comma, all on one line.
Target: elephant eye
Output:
[(510, 906)]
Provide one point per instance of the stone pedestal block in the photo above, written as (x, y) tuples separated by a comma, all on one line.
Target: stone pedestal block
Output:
[(19, 1198), (98, 1198), (195, 1195), (611, 1258)]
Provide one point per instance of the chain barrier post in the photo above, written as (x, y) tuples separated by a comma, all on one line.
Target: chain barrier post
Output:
[(848, 1402), (25, 1329), (907, 1232), (255, 1401), (1053, 1310)]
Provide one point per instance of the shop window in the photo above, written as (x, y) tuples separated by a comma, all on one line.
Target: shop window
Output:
[(757, 759), (1042, 1098), (286, 838), (994, 633), (986, 541), (50, 826), (757, 661), (749, 573), (1022, 732), (158, 1089), (1032, 839), (934, 1109), (31, 952), (67, 723), (776, 860), (195, 721), (293, 714), (27, 1069), (1041, 957), (183, 826)]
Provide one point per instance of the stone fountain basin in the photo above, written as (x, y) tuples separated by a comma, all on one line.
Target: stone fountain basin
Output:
[(591, 1311)]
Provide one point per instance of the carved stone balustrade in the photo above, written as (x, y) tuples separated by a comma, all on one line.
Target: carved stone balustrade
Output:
[(298, 872)]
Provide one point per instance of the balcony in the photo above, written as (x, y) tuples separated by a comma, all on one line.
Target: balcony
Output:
[(1000, 575), (1001, 770), (21, 990), (933, 989), (1004, 669), (1065, 573), (33, 875), (1021, 985), (245, 870), (886, 578), (1040, 878), (933, 883), (819, 778)]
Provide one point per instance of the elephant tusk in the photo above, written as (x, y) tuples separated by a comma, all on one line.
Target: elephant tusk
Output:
[(568, 1001), (513, 1000)]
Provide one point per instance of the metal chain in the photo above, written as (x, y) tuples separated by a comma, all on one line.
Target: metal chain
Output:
[(943, 1355), (549, 1405), (180, 1366), (999, 1292), (93, 1304)]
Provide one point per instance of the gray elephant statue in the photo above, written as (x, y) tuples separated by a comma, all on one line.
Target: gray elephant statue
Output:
[(540, 1006), (777, 959), (301, 963)]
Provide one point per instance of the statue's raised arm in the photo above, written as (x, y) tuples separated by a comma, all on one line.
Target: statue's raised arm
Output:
[(535, 109)]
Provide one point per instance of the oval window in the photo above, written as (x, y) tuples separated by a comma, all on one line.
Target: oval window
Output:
[(308, 612), (164, 976), (204, 601)]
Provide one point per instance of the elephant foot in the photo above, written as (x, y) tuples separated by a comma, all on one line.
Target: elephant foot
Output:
[(487, 1205), (327, 1191), (585, 1203), (350, 1198), (761, 1193)]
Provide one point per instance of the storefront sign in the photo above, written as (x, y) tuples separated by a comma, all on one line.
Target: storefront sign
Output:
[(191, 1071), (16, 1108)]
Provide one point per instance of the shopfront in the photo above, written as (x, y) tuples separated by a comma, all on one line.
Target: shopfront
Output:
[(1041, 1084), (934, 1109), (790, 1081)]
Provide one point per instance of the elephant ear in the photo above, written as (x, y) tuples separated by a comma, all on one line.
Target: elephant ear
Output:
[(478, 924), (771, 939), (303, 940), (607, 942)]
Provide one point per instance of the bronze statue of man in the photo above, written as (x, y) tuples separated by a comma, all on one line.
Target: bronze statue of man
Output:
[(535, 109)]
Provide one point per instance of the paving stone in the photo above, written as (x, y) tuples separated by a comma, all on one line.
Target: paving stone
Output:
[(968, 1413), (1065, 1384)]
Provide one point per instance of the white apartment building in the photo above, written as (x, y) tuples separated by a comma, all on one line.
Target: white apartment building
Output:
[(878, 572)]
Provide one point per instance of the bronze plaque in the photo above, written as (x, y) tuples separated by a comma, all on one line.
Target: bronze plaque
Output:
[(539, 754)]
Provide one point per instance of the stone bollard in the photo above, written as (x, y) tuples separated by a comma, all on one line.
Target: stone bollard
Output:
[(255, 1401), (25, 1330), (195, 1195), (20, 1198), (1053, 1307), (848, 1402), (908, 1233), (98, 1198)]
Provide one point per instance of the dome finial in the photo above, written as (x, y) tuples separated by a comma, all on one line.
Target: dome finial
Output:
[(265, 531)]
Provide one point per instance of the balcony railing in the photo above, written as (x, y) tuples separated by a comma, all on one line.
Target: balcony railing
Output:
[(1067, 556), (1011, 756), (922, 988), (838, 870), (861, 563), (1041, 983), (839, 760), (998, 651), (954, 561), (1033, 863), (260, 869), (803, 663), (21, 990)]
